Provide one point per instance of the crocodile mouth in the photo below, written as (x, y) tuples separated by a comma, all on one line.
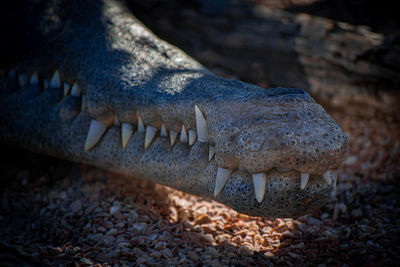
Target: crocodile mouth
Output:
[(185, 160)]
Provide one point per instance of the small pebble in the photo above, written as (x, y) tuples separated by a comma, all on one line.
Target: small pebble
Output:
[(356, 213), (202, 219), (113, 210), (112, 231), (140, 227)]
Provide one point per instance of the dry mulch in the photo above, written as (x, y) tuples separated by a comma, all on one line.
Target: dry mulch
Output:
[(54, 212)]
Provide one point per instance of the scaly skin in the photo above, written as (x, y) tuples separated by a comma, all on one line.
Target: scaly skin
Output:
[(124, 72)]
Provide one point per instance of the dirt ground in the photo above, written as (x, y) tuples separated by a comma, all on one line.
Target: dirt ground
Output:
[(54, 212), (59, 212)]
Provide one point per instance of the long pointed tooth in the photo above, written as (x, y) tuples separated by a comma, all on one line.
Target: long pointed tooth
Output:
[(34, 79), (140, 127), (304, 180), (192, 137), (222, 177), (75, 90), (172, 137), (259, 181), (163, 132), (22, 79), (184, 136), (211, 152), (201, 125), (126, 133), (55, 81), (67, 86), (96, 131), (327, 177), (150, 134)]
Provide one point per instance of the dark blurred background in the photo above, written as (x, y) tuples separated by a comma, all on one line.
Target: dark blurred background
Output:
[(345, 53)]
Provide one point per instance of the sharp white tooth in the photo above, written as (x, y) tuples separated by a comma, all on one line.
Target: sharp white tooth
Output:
[(22, 79), (45, 83), (67, 86), (259, 181), (201, 125), (83, 102), (211, 152), (140, 126), (75, 90), (126, 133), (172, 137), (150, 134), (116, 121), (96, 131), (192, 137), (34, 79), (222, 177), (304, 180), (327, 177), (55, 81), (184, 136), (163, 130), (11, 74)]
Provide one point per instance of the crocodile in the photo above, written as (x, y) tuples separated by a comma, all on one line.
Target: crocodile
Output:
[(87, 82)]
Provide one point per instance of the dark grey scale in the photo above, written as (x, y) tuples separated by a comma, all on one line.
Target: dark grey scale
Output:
[(52, 95), (68, 108)]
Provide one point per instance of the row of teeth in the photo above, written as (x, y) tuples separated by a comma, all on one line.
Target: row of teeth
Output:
[(54, 82), (98, 128), (260, 181)]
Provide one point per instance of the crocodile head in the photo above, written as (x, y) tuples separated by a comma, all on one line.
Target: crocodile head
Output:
[(125, 101)]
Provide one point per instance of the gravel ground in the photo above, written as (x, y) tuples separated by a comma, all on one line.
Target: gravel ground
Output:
[(55, 212)]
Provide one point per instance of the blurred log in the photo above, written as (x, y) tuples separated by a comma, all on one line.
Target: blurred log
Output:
[(341, 65)]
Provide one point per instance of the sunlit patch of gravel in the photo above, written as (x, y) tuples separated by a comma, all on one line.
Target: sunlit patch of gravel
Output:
[(62, 213)]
